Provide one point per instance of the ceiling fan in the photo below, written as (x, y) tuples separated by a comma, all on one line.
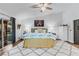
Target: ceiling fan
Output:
[(43, 6)]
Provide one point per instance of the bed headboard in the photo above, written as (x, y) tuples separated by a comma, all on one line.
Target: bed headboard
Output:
[(39, 30)]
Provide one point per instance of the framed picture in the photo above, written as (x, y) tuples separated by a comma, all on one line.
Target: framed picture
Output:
[(39, 23)]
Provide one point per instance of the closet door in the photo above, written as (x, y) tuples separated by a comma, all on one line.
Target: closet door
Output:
[(76, 31), (12, 19), (0, 33), (11, 36), (9, 32), (5, 32)]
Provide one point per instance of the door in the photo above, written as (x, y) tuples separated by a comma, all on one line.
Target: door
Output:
[(76, 31), (9, 32), (12, 20), (0, 33), (5, 32)]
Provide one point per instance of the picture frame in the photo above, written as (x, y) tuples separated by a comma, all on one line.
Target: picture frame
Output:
[(39, 23)]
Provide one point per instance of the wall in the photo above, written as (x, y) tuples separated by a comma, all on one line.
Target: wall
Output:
[(52, 22), (70, 14)]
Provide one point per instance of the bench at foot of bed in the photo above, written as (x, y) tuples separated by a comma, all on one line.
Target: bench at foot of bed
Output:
[(39, 43)]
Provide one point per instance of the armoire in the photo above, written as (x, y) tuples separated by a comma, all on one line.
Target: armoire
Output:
[(7, 31)]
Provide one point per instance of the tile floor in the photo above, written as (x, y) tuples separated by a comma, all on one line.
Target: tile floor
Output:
[(60, 49)]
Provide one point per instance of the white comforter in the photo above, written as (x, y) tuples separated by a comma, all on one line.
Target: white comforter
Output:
[(39, 35)]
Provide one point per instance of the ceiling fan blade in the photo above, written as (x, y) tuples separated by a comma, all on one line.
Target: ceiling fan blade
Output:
[(42, 3), (49, 8), (49, 3), (35, 6)]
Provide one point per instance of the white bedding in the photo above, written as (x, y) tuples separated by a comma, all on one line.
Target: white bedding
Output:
[(39, 35)]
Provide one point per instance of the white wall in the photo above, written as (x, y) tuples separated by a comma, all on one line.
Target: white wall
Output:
[(70, 14), (51, 21)]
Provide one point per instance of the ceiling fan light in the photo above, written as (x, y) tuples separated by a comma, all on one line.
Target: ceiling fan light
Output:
[(43, 9), (45, 5)]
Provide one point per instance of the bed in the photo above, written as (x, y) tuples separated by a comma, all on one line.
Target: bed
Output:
[(39, 40)]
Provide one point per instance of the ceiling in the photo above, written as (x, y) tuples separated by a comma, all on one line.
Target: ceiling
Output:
[(24, 10)]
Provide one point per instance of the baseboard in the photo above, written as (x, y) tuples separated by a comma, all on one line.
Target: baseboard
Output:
[(69, 42), (17, 42), (58, 39)]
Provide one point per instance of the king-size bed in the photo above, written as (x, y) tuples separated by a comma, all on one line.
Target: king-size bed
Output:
[(39, 40)]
